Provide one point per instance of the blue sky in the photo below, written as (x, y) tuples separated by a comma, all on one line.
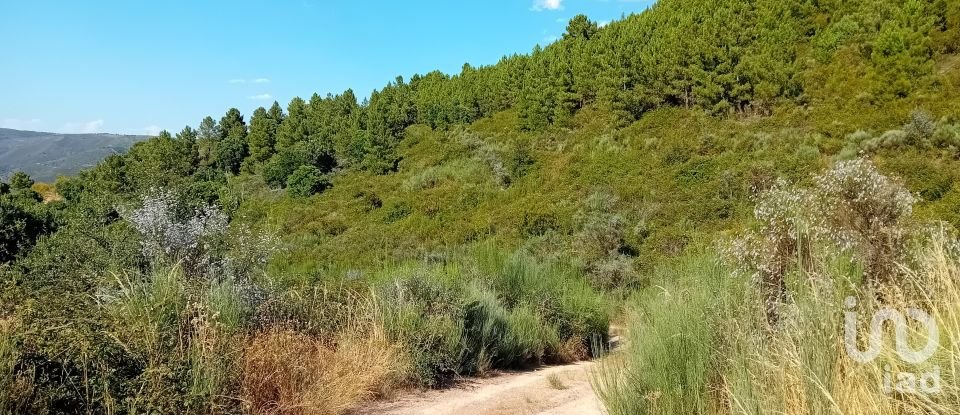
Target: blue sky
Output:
[(136, 66)]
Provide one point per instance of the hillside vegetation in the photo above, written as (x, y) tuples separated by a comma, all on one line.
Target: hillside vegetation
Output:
[(308, 259), (45, 156)]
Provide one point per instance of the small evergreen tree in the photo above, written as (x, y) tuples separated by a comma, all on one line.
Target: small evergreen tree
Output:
[(306, 181), (263, 131), (20, 181)]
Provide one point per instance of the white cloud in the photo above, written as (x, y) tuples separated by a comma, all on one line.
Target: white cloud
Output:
[(540, 5), (87, 127), (261, 97), (20, 124), (261, 81), (152, 130)]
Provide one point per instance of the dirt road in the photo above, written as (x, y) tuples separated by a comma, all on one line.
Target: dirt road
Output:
[(555, 390)]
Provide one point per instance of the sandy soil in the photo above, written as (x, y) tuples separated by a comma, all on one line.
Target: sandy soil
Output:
[(555, 390)]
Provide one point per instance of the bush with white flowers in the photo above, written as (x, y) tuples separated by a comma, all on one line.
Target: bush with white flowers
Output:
[(198, 240), (852, 208)]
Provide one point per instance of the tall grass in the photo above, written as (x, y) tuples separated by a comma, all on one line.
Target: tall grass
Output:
[(791, 366), (708, 348), (170, 342), (167, 325), (668, 366), (556, 290), (13, 388), (197, 343)]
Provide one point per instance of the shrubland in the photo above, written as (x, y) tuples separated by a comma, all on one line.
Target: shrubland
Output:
[(719, 173), (772, 321)]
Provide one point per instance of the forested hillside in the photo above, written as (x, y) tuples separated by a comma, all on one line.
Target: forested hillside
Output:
[(450, 224), (46, 155)]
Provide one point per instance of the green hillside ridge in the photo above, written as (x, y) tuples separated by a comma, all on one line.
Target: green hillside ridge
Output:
[(449, 225), (44, 156), (672, 186)]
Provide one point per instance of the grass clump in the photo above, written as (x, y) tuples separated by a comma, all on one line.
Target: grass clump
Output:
[(667, 368), (285, 372), (165, 326), (555, 382)]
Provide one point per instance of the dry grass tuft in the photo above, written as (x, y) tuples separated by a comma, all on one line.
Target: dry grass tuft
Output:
[(572, 349), (285, 372), (47, 192), (555, 382)]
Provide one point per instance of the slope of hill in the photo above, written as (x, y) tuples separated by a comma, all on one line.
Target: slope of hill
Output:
[(44, 156), (451, 225)]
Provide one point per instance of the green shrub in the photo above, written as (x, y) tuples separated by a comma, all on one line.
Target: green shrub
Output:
[(520, 159), (489, 310), (601, 242), (21, 224), (397, 211), (424, 315), (20, 181), (307, 153), (307, 181), (485, 327), (539, 223), (528, 341), (668, 366), (920, 128)]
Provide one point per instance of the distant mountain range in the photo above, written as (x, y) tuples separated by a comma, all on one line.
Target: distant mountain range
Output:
[(44, 156)]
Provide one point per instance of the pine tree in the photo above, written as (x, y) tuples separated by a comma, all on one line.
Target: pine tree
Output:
[(208, 134), (293, 129), (580, 28), (388, 113), (348, 141), (232, 125), (276, 113), (565, 99), (262, 136), (186, 141), (537, 99)]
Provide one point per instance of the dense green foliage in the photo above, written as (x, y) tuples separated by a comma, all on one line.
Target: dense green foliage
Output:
[(723, 57), (21, 224), (594, 161), (305, 181)]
